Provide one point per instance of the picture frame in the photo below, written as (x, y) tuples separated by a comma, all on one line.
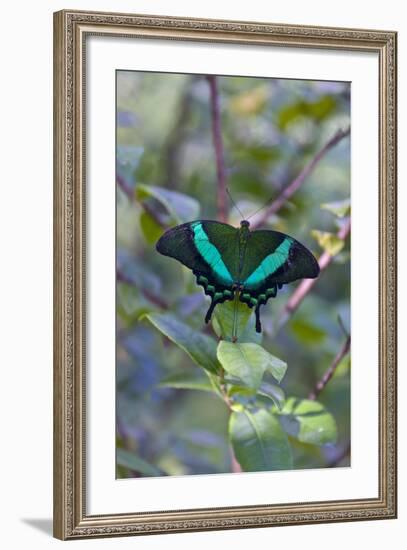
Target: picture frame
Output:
[(72, 385)]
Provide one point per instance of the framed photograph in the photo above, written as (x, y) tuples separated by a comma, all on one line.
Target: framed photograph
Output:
[(225, 274)]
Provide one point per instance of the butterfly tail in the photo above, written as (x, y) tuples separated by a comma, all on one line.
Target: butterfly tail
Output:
[(210, 311), (258, 322)]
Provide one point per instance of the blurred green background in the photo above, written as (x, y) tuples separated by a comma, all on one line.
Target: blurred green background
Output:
[(166, 174)]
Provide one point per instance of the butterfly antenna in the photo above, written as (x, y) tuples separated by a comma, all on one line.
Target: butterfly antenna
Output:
[(261, 208), (234, 204)]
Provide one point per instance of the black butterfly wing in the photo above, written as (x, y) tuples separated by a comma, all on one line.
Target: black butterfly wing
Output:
[(221, 261), (206, 247), (178, 243), (210, 250), (272, 259)]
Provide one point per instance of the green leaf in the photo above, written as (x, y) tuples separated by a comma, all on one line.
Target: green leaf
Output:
[(328, 241), (249, 333), (260, 155), (339, 208), (223, 320), (241, 391), (248, 362), (306, 332), (186, 381), (323, 107), (152, 230), (131, 304), (308, 421), (258, 441), (201, 348), (128, 298), (179, 206), (272, 392), (241, 397), (277, 367), (133, 462), (317, 110), (264, 394)]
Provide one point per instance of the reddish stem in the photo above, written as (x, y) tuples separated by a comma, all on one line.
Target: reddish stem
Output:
[(127, 190), (159, 302), (307, 284), (292, 187), (330, 371), (218, 145)]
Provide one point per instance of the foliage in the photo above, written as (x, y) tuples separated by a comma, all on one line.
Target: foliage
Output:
[(190, 399), (259, 442)]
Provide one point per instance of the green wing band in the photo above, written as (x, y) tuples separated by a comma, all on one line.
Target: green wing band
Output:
[(211, 254), (269, 265), (224, 258)]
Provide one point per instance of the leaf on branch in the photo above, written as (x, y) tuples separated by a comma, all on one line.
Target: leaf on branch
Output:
[(245, 323), (273, 393), (151, 230), (201, 348), (317, 110), (307, 332), (308, 421), (277, 367), (180, 207), (128, 298), (339, 208), (241, 397), (248, 362), (130, 460), (186, 381), (131, 304), (247, 396), (245, 361), (330, 242), (259, 443)]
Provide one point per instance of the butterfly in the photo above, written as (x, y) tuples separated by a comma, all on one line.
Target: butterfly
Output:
[(231, 262)]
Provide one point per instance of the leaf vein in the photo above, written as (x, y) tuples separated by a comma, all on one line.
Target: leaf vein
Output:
[(253, 423)]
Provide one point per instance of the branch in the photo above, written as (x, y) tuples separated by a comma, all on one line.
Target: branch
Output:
[(236, 468), (218, 145), (292, 187), (176, 137), (307, 284), (330, 370), (154, 299), (127, 190)]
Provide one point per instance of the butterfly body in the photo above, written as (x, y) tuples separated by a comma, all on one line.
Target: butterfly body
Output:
[(230, 262)]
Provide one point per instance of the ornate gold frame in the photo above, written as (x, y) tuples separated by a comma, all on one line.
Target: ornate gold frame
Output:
[(70, 31)]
